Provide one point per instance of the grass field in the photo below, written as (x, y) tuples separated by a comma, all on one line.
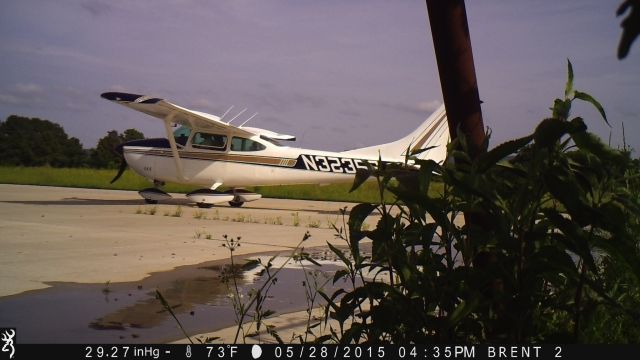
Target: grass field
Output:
[(99, 179)]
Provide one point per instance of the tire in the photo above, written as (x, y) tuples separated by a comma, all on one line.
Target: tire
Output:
[(149, 201), (204, 205), (236, 203)]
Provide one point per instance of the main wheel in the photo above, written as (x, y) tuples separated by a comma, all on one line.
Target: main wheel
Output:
[(236, 203), (204, 205)]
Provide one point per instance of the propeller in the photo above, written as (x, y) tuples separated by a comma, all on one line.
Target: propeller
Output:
[(156, 142), (123, 163)]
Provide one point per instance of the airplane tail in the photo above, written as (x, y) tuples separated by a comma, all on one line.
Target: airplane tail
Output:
[(433, 132)]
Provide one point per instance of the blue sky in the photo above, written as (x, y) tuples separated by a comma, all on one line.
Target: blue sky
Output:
[(338, 74)]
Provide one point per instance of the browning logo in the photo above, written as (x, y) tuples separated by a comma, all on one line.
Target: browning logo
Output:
[(8, 337)]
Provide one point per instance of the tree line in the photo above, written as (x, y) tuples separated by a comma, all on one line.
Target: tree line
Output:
[(37, 142)]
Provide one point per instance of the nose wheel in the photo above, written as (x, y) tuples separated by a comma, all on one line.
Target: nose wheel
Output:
[(153, 195)]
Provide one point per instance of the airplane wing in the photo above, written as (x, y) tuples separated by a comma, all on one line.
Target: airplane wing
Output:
[(164, 110)]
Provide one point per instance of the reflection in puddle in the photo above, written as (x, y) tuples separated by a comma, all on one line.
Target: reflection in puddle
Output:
[(130, 313)]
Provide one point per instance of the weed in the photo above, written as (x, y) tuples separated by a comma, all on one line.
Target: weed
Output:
[(296, 219), (177, 212), (528, 264), (199, 214), (151, 210), (313, 284), (254, 301), (314, 224), (106, 290), (139, 210), (169, 308)]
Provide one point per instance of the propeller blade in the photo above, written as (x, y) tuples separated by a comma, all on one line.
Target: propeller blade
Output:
[(123, 167)]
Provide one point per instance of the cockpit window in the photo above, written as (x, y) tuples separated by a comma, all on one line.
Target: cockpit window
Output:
[(242, 144), (209, 141), (181, 135)]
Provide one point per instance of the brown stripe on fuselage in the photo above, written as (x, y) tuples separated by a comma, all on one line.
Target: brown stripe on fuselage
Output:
[(197, 155), (423, 139)]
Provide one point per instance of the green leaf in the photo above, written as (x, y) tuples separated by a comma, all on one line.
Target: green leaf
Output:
[(577, 239), (420, 151), (490, 158), (462, 310), (561, 109), (549, 131), (310, 259), (340, 274), (590, 99), (361, 176), (569, 87), (591, 143), (357, 216), (268, 313), (577, 125), (250, 265), (340, 254)]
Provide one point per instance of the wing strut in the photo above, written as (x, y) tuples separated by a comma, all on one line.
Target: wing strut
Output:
[(174, 147)]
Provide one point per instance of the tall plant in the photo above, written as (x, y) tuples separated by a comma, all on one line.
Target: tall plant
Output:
[(556, 209)]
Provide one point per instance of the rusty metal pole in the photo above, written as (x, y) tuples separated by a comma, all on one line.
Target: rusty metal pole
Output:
[(452, 43)]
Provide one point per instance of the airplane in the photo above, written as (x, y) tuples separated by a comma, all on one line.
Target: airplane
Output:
[(207, 151)]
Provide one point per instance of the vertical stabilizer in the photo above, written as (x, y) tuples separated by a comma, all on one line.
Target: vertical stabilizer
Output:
[(433, 132)]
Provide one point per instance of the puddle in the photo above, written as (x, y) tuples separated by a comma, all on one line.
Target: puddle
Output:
[(130, 313)]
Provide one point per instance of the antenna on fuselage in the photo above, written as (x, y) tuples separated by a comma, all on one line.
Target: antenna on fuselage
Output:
[(240, 113), (246, 121), (226, 112)]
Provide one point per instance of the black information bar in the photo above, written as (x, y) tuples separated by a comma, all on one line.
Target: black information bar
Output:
[(321, 352)]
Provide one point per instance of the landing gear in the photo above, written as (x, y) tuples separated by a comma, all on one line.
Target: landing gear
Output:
[(241, 196), (153, 195), (202, 205), (206, 198)]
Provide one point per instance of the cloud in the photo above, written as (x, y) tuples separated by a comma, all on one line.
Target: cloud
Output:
[(428, 106), (118, 88), (28, 89), (425, 107), (23, 93), (96, 8), (9, 99)]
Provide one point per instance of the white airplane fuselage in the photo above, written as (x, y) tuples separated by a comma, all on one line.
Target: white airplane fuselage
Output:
[(209, 152), (276, 165)]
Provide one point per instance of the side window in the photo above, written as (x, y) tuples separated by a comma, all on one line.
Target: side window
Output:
[(182, 135), (242, 144), (209, 141)]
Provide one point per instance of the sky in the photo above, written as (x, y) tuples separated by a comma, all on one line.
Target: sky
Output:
[(338, 74)]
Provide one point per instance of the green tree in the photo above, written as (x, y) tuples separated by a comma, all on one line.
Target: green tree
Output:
[(36, 142), (105, 155)]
